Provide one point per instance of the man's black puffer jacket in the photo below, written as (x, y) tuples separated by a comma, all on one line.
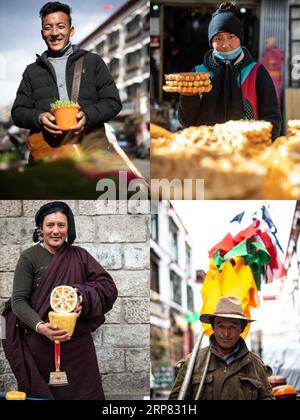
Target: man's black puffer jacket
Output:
[(98, 96)]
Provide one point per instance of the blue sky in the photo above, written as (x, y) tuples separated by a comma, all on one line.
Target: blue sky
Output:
[(20, 37)]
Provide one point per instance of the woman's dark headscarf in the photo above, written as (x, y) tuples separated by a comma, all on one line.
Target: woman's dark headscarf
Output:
[(54, 207)]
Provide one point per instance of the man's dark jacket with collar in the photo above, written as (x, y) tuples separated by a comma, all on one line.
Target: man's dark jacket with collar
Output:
[(98, 96), (243, 379)]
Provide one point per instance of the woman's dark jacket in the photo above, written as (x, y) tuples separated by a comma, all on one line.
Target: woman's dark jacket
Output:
[(226, 102)]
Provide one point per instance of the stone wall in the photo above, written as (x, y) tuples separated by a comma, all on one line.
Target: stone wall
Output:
[(116, 233)]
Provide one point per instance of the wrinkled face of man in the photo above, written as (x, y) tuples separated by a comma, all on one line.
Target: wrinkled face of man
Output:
[(56, 30), (227, 332), (54, 230)]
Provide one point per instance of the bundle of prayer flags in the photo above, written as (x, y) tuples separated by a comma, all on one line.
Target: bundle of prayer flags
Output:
[(239, 264)]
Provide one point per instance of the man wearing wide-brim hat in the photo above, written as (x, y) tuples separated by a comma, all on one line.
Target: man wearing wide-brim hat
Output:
[(234, 372)]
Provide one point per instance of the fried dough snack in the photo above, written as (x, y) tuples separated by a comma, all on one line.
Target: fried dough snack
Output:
[(294, 128), (245, 137), (187, 77), (283, 162), (188, 83), (157, 131), (225, 176), (181, 89), (160, 136), (225, 155)]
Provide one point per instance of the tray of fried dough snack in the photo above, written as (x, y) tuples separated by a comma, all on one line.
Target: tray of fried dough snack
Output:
[(227, 156), (247, 138), (237, 159), (191, 83)]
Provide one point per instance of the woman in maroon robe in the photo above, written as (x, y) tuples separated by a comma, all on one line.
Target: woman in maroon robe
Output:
[(29, 339)]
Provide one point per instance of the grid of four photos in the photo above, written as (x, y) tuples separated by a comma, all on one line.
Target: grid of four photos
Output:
[(149, 213)]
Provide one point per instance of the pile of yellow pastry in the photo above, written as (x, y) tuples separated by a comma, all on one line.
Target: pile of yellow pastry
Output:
[(188, 83), (237, 159)]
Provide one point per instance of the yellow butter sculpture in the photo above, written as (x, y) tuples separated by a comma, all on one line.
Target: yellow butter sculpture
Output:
[(65, 321), (63, 301)]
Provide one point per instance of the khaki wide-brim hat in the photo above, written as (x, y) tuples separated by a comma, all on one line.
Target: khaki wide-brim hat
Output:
[(227, 307)]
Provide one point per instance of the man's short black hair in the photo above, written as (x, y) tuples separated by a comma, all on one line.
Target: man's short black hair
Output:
[(56, 6)]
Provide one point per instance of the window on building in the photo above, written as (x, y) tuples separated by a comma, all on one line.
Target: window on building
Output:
[(173, 240), (294, 45), (133, 60), (133, 28), (146, 24), (114, 67), (176, 294), (190, 298), (154, 265), (200, 276), (188, 260), (133, 91), (154, 227), (100, 48), (146, 55), (113, 40), (145, 86)]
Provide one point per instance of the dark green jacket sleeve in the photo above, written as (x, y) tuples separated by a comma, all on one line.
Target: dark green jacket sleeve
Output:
[(178, 383), (22, 291), (266, 392)]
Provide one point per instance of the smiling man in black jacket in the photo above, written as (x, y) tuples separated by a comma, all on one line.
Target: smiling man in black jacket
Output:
[(51, 78)]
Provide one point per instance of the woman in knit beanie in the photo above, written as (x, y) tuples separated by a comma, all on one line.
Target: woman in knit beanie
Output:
[(242, 88)]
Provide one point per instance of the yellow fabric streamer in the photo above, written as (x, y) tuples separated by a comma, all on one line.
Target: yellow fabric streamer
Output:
[(234, 278)]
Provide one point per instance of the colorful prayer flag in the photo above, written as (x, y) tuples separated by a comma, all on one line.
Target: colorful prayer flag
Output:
[(238, 218), (107, 7), (233, 278), (239, 263)]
